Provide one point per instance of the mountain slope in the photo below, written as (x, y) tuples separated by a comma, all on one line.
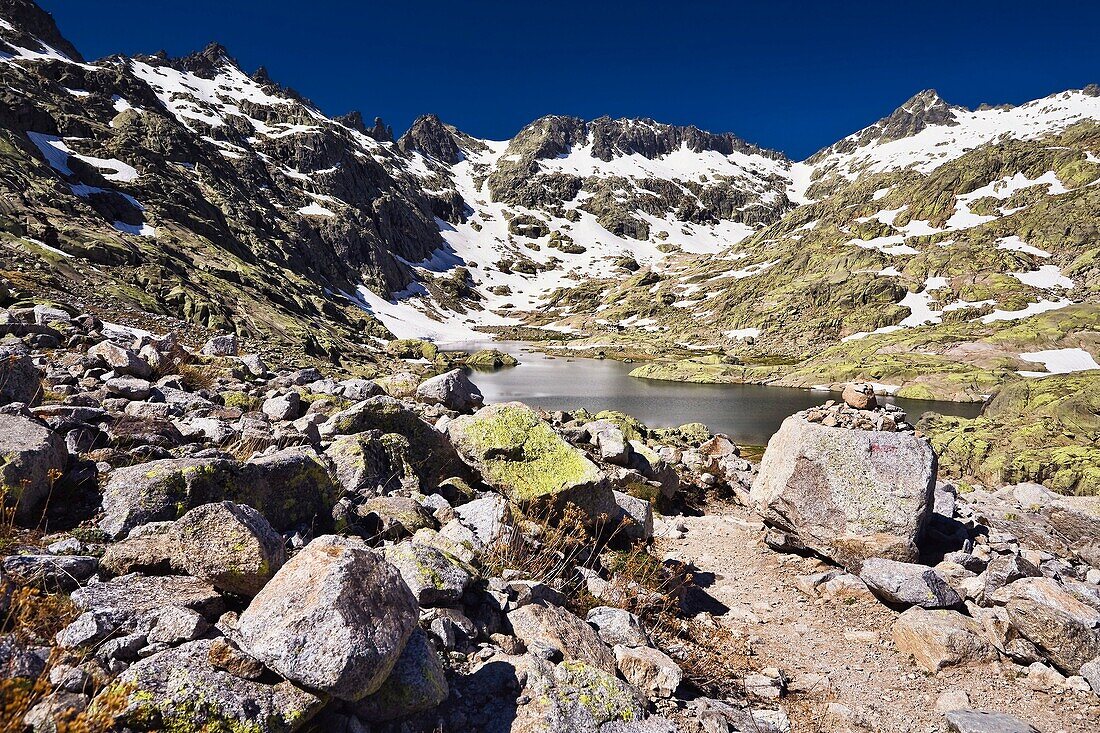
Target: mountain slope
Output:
[(957, 245), (223, 198), (187, 187), (196, 190)]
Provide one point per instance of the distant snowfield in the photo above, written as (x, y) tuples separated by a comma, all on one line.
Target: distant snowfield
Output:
[(1015, 244), (483, 243), (937, 144), (405, 319), (1061, 361), (1047, 276)]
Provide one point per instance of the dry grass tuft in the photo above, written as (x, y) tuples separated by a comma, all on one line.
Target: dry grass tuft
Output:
[(198, 376), (547, 548), (19, 696), (35, 616)]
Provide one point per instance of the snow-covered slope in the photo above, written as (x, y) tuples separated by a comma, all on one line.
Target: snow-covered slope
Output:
[(927, 132), (439, 233), (567, 201), (622, 192)]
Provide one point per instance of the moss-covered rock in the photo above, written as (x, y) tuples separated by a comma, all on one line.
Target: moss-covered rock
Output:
[(412, 349), (633, 429), (433, 459), (416, 685), (490, 359), (520, 454), (180, 691), (241, 401), (286, 487), (1045, 430)]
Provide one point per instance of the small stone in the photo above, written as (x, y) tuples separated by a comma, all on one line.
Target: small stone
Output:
[(254, 364), (1044, 678), (1091, 672), (952, 700), (225, 655), (649, 669), (50, 572), (908, 583), (34, 458), (859, 396), (980, 721), (1077, 683)]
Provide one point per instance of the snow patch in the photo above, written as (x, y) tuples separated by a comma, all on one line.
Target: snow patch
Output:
[(315, 210), (1062, 361), (742, 333), (1047, 276)]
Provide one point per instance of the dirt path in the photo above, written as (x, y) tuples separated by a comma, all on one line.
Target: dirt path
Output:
[(870, 685)]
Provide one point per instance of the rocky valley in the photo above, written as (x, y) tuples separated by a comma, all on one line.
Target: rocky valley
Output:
[(250, 483)]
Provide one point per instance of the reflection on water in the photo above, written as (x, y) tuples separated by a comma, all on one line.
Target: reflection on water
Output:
[(748, 413)]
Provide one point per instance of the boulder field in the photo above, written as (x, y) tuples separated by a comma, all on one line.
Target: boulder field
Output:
[(197, 541)]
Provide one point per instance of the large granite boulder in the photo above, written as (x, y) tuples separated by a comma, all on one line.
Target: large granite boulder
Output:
[(847, 494), (335, 618), (180, 689), (908, 584), (520, 455), (452, 390), (230, 545), (287, 487), (120, 359), (1057, 622), (34, 457), (939, 639), (372, 463)]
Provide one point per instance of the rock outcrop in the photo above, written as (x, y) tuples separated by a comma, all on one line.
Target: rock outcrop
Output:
[(847, 494), (335, 618)]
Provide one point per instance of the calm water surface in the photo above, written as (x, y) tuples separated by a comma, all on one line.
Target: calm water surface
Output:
[(748, 413)]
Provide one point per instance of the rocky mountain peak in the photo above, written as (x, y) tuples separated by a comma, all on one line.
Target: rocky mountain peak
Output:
[(924, 109), (549, 137), (919, 111), (653, 139), (380, 131), (32, 26), (354, 120), (434, 138), (205, 63)]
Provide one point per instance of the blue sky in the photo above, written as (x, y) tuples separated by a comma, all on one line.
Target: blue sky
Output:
[(795, 76)]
